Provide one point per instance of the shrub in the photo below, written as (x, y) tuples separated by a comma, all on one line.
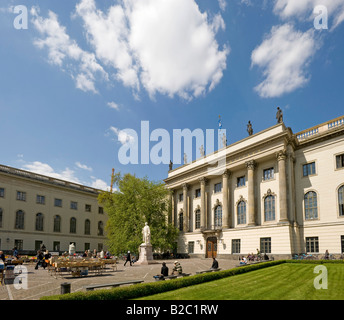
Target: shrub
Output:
[(150, 288)]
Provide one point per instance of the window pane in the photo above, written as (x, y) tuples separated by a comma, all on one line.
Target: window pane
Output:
[(311, 206)]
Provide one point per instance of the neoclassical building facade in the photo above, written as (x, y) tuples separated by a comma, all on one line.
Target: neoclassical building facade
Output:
[(36, 209), (275, 191)]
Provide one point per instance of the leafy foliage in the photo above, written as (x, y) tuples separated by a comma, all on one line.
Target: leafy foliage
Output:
[(135, 202)]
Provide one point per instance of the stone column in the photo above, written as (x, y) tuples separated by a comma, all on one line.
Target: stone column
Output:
[(203, 203), (185, 208), (172, 207), (250, 186), (225, 211), (281, 156)]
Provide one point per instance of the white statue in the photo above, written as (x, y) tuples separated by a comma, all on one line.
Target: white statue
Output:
[(71, 249), (146, 234)]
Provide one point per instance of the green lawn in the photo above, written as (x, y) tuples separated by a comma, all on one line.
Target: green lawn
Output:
[(289, 281)]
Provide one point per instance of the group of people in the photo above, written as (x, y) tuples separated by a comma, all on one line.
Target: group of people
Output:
[(177, 268), (95, 254), (42, 259)]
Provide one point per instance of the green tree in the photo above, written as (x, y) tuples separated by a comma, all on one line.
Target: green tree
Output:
[(135, 202)]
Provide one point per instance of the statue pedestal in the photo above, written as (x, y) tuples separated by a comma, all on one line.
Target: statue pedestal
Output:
[(146, 254)]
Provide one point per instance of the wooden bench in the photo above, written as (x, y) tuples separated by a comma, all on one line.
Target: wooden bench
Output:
[(180, 275), (115, 284), (208, 270)]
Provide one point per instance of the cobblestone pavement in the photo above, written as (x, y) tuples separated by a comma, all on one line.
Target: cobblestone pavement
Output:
[(41, 283)]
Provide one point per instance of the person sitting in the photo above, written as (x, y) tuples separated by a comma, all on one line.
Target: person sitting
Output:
[(177, 268), (215, 264)]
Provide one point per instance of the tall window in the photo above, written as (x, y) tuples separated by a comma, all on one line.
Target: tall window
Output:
[(19, 223), (218, 187), (265, 245), (100, 228), (340, 161), (181, 222), (342, 242), (87, 226), (236, 246), (268, 174), (57, 223), (72, 226), (308, 169), (311, 206), (0, 217), (39, 222), (198, 219), (241, 212), (312, 244), (2, 192), (197, 193), (218, 216), (269, 208), (341, 200), (241, 181)]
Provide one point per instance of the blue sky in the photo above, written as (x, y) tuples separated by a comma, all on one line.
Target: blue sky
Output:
[(84, 70)]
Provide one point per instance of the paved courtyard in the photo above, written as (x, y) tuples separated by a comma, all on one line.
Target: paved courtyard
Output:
[(41, 283)]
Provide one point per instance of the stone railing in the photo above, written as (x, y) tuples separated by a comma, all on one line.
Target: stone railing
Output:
[(46, 179), (329, 125)]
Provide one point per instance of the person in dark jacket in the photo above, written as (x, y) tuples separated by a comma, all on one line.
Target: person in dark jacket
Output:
[(128, 258), (215, 264), (164, 270), (40, 258)]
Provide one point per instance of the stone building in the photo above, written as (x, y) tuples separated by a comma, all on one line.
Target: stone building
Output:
[(36, 210), (275, 191)]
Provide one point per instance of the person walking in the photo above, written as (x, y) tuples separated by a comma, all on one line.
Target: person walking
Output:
[(128, 259)]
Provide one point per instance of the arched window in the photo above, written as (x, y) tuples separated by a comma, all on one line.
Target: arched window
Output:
[(19, 223), (341, 200), (241, 212), (181, 221), (311, 206), (39, 222), (197, 219), (100, 228), (87, 226), (72, 228), (269, 208), (57, 223), (218, 216)]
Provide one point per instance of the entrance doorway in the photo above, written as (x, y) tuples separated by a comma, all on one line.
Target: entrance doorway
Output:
[(212, 247)]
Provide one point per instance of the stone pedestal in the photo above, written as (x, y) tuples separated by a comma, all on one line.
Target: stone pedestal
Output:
[(146, 254)]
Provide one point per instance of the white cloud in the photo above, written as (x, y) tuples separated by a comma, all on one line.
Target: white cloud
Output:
[(222, 4), (83, 166), (113, 105), (287, 9), (123, 136), (45, 169), (65, 52), (66, 174), (168, 47), (284, 56)]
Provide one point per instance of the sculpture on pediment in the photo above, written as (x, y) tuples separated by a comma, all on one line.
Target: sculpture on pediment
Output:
[(279, 115), (249, 128)]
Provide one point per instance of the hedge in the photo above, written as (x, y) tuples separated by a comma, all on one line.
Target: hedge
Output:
[(151, 288)]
